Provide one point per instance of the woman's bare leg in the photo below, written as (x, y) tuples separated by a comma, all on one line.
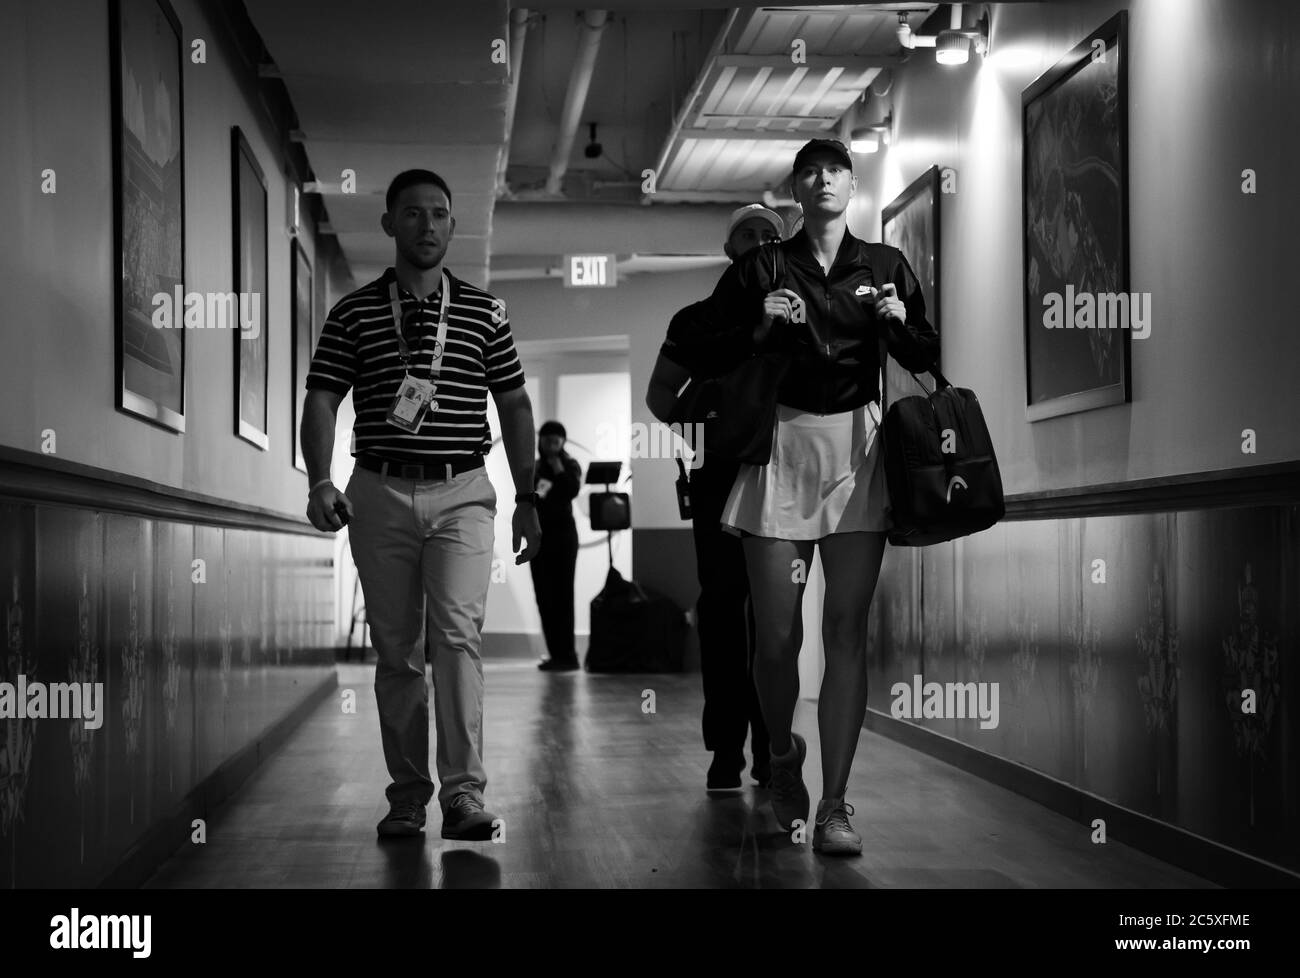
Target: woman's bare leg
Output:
[(776, 592), (851, 563)]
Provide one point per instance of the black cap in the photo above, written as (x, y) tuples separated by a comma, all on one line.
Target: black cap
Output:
[(827, 145), (551, 428)]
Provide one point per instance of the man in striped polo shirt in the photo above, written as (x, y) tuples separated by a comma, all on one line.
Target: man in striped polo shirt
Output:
[(420, 349)]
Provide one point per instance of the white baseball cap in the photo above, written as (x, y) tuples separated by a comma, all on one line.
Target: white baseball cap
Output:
[(755, 210)]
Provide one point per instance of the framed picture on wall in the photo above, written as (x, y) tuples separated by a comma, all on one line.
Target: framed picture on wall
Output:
[(910, 222), (148, 211), (304, 338), (251, 342), (1078, 309)]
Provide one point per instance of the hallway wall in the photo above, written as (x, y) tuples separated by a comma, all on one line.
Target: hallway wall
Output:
[(97, 538), (1129, 688), (1211, 92), (198, 669), (55, 70)]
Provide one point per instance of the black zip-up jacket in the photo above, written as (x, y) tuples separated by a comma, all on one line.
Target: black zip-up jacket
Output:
[(834, 355), (555, 509)]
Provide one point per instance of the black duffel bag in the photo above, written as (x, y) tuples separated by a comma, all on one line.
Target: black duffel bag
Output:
[(634, 629), (940, 468)]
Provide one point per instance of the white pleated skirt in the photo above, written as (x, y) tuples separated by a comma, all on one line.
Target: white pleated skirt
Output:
[(825, 476)]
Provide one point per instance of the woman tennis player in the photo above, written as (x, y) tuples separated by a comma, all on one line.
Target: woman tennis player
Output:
[(824, 306)]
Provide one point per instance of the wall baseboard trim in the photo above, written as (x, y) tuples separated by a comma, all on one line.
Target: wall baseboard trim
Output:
[(33, 477), (169, 834), (1256, 485), (1215, 862)]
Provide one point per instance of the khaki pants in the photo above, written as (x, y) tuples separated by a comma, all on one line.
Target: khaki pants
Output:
[(423, 552)]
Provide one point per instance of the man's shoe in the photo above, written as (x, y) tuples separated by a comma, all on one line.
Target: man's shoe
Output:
[(466, 820), (789, 794), (761, 772), (404, 818), (833, 835), (724, 772), (558, 665)]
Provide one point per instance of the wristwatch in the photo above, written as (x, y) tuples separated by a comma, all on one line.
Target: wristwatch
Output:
[(527, 497)]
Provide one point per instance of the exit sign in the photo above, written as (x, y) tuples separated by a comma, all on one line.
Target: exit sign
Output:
[(590, 271)]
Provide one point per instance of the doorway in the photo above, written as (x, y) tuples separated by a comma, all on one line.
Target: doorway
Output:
[(585, 385)]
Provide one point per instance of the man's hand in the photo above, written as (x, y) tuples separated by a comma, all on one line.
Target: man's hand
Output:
[(556, 463), (320, 508), (889, 305), (524, 524)]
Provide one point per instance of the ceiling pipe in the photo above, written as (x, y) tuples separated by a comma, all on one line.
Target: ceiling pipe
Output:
[(518, 32), (584, 65), (560, 227), (688, 106)]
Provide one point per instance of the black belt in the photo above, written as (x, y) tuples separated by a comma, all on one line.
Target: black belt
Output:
[(422, 471)]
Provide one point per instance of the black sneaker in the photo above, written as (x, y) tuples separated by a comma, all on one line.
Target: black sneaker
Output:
[(724, 772), (466, 820), (558, 665), (404, 818), (789, 794)]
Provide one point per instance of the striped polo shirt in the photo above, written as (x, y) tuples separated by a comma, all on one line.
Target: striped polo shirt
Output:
[(358, 351)]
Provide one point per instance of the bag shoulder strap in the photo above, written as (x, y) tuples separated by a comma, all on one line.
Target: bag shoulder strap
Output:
[(933, 370), (771, 261), (777, 259), (940, 380)]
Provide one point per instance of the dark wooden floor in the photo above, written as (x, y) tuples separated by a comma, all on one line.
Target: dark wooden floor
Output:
[(596, 793)]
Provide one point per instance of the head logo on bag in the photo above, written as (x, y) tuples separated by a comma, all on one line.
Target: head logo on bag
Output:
[(955, 481)]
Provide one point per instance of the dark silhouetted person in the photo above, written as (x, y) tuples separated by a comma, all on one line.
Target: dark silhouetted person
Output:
[(558, 478), (725, 620)]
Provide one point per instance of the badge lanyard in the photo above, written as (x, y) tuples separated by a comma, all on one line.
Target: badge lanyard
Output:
[(439, 344)]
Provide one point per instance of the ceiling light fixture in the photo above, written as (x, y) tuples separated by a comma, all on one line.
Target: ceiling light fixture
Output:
[(952, 46), (866, 139)]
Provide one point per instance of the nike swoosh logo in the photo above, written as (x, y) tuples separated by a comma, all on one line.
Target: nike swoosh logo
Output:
[(864, 290)]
